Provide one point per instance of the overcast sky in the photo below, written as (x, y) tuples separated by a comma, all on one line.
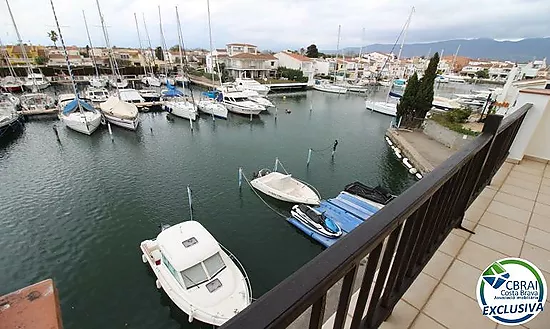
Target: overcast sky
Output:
[(280, 24)]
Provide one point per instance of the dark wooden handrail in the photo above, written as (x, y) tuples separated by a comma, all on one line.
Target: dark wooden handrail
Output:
[(409, 230)]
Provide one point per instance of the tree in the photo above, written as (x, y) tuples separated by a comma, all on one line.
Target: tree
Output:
[(407, 105), (425, 95), (53, 36), (483, 74), (302, 51), (312, 51), (159, 54), (175, 48), (40, 60)]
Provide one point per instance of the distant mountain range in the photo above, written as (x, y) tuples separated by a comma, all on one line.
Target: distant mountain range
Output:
[(518, 51)]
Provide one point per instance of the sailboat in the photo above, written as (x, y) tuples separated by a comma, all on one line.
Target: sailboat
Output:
[(325, 85), (212, 105), (10, 83), (97, 81), (165, 78), (115, 110), (150, 79), (75, 112), (386, 107), (35, 101)]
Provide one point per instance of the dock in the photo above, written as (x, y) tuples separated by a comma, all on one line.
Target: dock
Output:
[(287, 86), (28, 113), (33, 307)]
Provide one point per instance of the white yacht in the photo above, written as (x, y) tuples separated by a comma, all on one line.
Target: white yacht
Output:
[(149, 95), (118, 82), (36, 82), (445, 104), (251, 84), (120, 113), (198, 274), (231, 87), (441, 79), (455, 78), (130, 95), (97, 95), (151, 80), (329, 88), (78, 114), (382, 107), (36, 102), (98, 82), (238, 102)]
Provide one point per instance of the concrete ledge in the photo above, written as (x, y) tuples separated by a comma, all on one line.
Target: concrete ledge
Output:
[(33, 307), (416, 159)]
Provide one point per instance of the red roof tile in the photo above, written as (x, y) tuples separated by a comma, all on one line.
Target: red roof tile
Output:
[(241, 44), (299, 57)]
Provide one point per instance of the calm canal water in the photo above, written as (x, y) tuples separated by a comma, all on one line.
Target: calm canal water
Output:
[(76, 211)]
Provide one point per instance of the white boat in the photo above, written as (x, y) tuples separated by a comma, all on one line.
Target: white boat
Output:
[(130, 95), (10, 120), (149, 95), (10, 98), (385, 83), (118, 82), (356, 88), (36, 82), (78, 114), (164, 79), (97, 95), (262, 101), (36, 102), (199, 275), (251, 84), (11, 84), (151, 81), (212, 107), (180, 107), (441, 79), (443, 103), (120, 113), (181, 79), (284, 187), (239, 103), (98, 82), (329, 88), (381, 107), (455, 78)]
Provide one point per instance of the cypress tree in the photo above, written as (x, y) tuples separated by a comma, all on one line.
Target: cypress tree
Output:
[(407, 105), (425, 94)]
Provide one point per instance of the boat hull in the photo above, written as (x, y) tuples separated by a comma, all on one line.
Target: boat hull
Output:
[(330, 90), (241, 109), (11, 127), (180, 110), (263, 187), (36, 86), (76, 122), (12, 88), (210, 108), (382, 107), (131, 124)]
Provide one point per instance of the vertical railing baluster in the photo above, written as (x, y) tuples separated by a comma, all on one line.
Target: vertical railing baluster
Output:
[(318, 313), (345, 296)]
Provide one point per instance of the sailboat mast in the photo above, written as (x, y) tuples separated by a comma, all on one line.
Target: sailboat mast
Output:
[(403, 40), (149, 42), (7, 58), (91, 45), (140, 45), (186, 69), (23, 51), (180, 38), (454, 59), (66, 56), (112, 60), (211, 47), (163, 45), (360, 53), (337, 50)]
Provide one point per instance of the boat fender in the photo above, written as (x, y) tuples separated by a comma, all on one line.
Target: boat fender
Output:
[(143, 258), (399, 156), (191, 315), (413, 171), (418, 175), (407, 163), (158, 284), (288, 111)]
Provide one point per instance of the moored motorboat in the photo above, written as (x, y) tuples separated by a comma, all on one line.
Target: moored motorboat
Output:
[(78, 114), (316, 221), (36, 102), (130, 95), (329, 88), (199, 275), (97, 95), (36, 82), (382, 107), (149, 95), (98, 82), (120, 113), (118, 82), (151, 80), (10, 120), (251, 84), (262, 101), (239, 103), (284, 187)]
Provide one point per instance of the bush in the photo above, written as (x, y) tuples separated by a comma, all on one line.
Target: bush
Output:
[(294, 75), (453, 120)]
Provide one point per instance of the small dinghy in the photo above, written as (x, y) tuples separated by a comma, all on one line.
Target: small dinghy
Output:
[(284, 187), (316, 221), (198, 274)]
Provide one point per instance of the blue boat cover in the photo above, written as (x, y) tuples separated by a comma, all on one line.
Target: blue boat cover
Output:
[(214, 94), (172, 91), (73, 106)]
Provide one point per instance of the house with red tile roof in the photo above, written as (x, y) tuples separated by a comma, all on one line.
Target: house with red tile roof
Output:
[(243, 60)]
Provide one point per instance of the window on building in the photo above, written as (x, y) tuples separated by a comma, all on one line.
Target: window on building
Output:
[(272, 63)]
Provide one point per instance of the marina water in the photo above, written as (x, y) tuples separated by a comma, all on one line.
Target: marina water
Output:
[(77, 210)]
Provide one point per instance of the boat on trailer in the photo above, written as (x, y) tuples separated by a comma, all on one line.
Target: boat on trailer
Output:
[(198, 274), (284, 187)]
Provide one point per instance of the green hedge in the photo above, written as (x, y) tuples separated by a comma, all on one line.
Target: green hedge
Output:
[(454, 119)]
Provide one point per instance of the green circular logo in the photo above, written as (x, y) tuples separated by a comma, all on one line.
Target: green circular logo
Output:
[(511, 291)]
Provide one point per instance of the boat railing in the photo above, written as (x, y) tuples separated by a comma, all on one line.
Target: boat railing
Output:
[(242, 269), (397, 243)]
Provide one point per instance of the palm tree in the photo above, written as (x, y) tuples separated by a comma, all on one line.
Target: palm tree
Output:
[(53, 36)]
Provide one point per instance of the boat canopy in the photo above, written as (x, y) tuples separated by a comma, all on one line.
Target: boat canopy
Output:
[(73, 106), (214, 94), (172, 91)]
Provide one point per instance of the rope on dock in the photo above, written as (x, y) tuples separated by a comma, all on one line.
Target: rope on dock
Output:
[(270, 207)]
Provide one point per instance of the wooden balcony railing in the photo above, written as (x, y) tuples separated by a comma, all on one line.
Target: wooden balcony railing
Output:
[(398, 241)]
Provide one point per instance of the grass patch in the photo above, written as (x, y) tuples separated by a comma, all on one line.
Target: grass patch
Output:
[(453, 120)]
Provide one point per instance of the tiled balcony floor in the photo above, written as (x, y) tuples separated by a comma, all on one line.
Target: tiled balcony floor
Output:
[(511, 218)]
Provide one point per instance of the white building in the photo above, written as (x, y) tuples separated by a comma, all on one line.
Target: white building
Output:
[(321, 66), (296, 62), (243, 60)]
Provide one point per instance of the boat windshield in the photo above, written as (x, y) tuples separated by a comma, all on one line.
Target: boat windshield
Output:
[(214, 264), (194, 276)]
